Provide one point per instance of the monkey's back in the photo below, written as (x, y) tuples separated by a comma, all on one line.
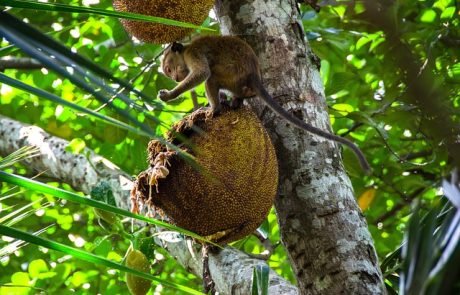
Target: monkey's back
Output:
[(231, 60)]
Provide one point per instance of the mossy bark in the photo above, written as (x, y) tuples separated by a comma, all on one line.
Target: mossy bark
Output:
[(323, 230)]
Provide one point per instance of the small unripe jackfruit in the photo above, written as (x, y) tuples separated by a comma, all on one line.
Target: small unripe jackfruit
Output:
[(194, 12), (138, 261), (233, 189)]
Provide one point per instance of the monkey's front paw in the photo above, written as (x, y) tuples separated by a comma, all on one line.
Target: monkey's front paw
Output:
[(164, 95)]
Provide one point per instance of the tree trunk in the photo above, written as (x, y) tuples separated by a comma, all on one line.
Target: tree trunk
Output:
[(322, 227)]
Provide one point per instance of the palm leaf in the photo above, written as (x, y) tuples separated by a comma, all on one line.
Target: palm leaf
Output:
[(89, 257), (63, 194), (44, 94)]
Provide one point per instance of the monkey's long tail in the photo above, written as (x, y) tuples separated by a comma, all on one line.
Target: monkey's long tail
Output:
[(268, 99)]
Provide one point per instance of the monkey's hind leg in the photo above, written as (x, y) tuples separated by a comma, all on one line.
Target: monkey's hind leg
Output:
[(236, 102), (243, 93), (212, 93)]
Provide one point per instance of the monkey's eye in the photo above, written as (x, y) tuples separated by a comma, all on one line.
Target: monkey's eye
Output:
[(168, 70)]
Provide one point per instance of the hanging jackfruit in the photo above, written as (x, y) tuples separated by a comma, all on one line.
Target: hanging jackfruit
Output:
[(229, 191)]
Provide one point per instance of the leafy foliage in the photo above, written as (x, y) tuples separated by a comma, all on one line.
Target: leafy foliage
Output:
[(369, 101), (430, 251), (369, 90)]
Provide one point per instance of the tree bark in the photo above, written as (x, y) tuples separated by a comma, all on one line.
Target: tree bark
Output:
[(322, 227), (231, 269)]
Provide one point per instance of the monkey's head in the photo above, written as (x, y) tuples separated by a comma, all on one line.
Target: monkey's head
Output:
[(173, 63)]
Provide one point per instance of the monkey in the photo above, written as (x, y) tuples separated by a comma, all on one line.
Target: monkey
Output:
[(229, 63)]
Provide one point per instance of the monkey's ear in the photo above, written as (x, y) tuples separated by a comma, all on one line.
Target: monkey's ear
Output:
[(177, 47)]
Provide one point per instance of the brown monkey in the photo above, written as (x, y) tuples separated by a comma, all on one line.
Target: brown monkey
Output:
[(226, 62)]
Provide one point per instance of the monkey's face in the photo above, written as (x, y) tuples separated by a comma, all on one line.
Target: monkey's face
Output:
[(174, 66)]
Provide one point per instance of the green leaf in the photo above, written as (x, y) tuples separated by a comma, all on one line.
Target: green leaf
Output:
[(448, 13), (76, 146), (78, 279), (39, 37), (418, 252), (260, 276), (255, 286), (357, 62), (103, 192), (146, 245), (362, 41), (454, 72), (63, 271), (15, 289), (343, 108), (325, 71), (63, 114), (340, 10), (36, 267), (428, 16), (20, 278), (443, 4), (103, 248)]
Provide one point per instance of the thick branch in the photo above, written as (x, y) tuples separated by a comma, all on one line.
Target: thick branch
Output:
[(231, 269)]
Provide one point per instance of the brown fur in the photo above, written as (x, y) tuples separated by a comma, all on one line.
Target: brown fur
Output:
[(223, 62), (226, 62)]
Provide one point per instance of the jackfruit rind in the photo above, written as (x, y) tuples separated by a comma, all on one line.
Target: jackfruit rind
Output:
[(232, 192), (194, 12)]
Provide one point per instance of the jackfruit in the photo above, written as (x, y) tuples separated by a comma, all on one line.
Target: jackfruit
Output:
[(138, 261), (229, 191), (194, 12)]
